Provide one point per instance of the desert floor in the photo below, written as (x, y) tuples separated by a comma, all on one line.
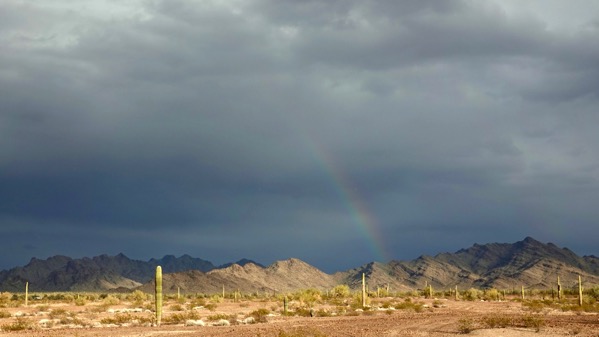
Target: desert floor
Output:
[(440, 317)]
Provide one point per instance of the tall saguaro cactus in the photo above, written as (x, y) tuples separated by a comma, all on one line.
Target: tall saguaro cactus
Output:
[(158, 295), (363, 290), (26, 293), (579, 290)]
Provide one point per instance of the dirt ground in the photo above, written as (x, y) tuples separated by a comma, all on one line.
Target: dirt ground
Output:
[(437, 318)]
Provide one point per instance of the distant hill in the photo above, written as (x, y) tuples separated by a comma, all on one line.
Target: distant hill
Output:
[(501, 265), (61, 273), (288, 275)]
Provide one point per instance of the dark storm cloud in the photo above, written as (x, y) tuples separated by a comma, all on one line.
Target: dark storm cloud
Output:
[(220, 128)]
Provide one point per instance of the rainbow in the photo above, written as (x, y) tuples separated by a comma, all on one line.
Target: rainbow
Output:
[(356, 206)]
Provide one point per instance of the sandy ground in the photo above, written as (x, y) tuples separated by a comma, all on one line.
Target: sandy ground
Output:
[(438, 318)]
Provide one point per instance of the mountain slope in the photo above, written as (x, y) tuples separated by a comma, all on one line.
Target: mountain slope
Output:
[(61, 273), (500, 265), (287, 275)]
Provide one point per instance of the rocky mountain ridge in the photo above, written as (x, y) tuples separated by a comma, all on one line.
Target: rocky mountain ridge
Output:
[(500, 265)]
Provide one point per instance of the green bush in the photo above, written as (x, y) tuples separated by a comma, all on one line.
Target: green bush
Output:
[(471, 294), (340, 291)]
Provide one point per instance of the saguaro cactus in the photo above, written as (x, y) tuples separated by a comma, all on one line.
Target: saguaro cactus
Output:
[(26, 293), (559, 289), (158, 295), (579, 290), (522, 292), (363, 290), (285, 305)]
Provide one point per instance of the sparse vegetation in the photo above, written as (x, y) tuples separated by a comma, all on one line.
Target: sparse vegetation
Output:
[(465, 325), (497, 321), (19, 324), (260, 315), (533, 321), (58, 310), (303, 332)]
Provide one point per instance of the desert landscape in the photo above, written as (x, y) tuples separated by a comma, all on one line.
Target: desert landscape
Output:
[(527, 288), (337, 312)]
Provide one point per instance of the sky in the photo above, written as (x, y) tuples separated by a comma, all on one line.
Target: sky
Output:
[(338, 132)]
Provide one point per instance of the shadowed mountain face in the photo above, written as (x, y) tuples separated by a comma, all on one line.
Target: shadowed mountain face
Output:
[(61, 273), (500, 265)]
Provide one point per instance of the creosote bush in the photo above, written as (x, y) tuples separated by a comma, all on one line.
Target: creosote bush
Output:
[(19, 324), (533, 321), (260, 315), (465, 325), (497, 321)]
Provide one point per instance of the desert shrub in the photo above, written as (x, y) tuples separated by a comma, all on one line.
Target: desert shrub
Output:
[(176, 307), (471, 294), (341, 290), (57, 313), (496, 321), (111, 300), (19, 324), (197, 302), (216, 299), (304, 312), (42, 308), (593, 293), (586, 307), (80, 301), (491, 294), (4, 299), (465, 325), (260, 315), (178, 318), (4, 314), (137, 296), (218, 317), (210, 306), (308, 297), (536, 305), (407, 304), (533, 321)]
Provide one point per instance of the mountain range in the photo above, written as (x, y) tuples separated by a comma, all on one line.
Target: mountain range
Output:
[(500, 265)]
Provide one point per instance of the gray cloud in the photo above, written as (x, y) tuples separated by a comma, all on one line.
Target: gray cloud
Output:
[(262, 129)]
